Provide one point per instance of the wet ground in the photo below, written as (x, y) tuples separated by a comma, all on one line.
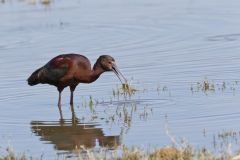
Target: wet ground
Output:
[(182, 56)]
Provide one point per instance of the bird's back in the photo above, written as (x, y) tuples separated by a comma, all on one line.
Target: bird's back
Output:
[(61, 70)]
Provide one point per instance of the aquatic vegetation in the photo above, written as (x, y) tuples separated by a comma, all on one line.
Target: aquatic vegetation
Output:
[(178, 150), (126, 90), (136, 153), (146, 112), (162, 88), (91, 104), (11, 155), (116, 111), (228, 134), (225, 140), (45, 2), (172, 153), (211, 86), (32, 2), (204, 86)]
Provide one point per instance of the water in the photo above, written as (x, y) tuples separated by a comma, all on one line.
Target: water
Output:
[(165, 47)]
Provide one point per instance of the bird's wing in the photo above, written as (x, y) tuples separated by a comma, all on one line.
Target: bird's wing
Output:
[(56, 68)]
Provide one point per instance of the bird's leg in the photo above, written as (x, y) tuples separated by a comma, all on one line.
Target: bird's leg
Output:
[(59, 100), (74, 118), (60, 112), (59, 97), (71, 98), (72, 88), (59, 104)]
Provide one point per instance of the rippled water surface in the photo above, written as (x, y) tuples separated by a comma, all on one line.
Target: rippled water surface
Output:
[(164, 47)]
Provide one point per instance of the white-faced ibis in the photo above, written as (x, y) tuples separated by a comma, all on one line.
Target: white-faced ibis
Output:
[(70, 70)]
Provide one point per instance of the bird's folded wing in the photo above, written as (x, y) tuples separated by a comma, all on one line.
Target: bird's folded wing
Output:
[(57, 68)]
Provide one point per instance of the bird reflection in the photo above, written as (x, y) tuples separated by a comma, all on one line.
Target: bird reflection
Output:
[(70, 134)]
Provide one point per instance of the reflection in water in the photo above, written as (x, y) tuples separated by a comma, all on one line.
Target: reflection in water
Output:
[(69, 135)]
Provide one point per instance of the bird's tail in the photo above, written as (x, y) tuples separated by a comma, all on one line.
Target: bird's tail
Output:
[(35, 78)]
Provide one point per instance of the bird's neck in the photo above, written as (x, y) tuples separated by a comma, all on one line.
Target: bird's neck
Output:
[(95, 73)]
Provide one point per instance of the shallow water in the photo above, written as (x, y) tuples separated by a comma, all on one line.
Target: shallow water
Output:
[(164, 47)]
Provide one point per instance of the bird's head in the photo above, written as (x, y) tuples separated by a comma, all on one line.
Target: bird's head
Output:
[(107, 63)]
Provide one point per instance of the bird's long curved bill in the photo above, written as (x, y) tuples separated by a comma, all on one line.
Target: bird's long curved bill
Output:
[(119, 74)]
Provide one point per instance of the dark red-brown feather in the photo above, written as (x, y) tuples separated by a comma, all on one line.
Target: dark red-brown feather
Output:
[(70, 70)]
